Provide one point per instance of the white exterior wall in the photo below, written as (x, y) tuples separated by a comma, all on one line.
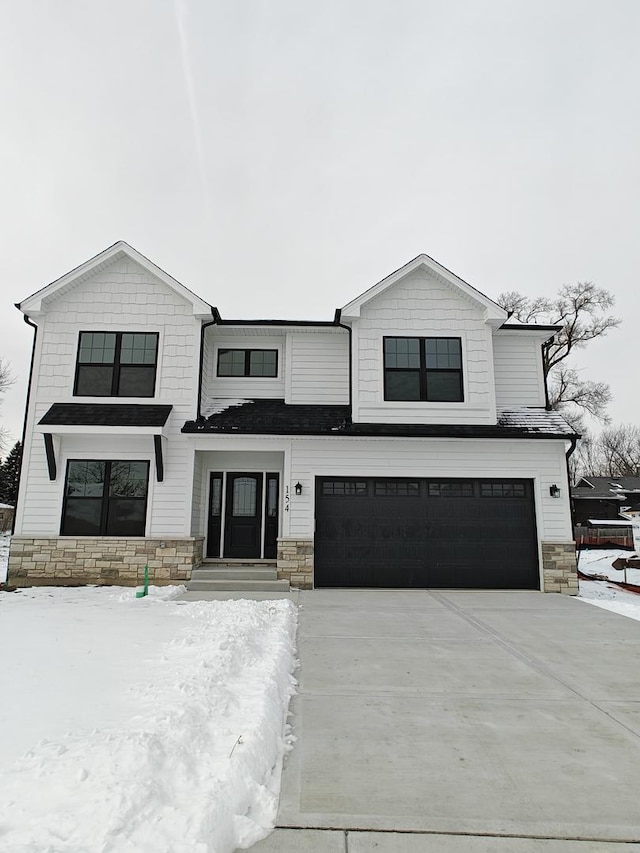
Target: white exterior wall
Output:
[(318, 367), (121, 297), (423, 305), (517, 359), (540, 460)]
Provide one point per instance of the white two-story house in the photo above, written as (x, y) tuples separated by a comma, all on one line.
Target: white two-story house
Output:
[(404, 443)]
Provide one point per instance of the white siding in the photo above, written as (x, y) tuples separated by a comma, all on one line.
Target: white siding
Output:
[(423, 305), (121, 297), (518, 370), (542, 461), (318, 367), (198, 515)]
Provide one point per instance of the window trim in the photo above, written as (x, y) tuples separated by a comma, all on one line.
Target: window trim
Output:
[(247, 362), (106, 497), (423, 371), (116, 363)]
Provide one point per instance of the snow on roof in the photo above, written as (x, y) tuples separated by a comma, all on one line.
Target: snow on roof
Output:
[(535, 420), (608, 522), (216, 405), (6, 506)]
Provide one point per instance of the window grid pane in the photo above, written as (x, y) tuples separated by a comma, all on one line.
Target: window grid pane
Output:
[(138, 348), (397, 488), (502, 490), (97, 347), (344, 487), (451, 490)]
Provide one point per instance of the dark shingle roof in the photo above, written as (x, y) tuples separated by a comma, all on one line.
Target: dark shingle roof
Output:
[(606, 488), (275, 417), (106, 414)]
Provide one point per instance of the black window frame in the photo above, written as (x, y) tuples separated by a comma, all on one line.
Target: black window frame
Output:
[(423, 372), (106, 499), (116, 364), (247, 363)]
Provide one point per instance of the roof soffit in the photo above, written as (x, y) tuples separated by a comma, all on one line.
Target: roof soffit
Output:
[(36, 304), (493, 314)]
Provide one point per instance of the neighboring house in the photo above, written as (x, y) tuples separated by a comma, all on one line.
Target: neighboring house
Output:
[(405, 443), (604, 497)]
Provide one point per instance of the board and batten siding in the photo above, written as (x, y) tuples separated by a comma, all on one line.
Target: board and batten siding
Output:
[(318, 368), (543, 461), (122, 296), (423, 305), (517, 359)]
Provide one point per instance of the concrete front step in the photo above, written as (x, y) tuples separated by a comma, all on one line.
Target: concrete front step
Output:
[(231, 573), (237, 585)]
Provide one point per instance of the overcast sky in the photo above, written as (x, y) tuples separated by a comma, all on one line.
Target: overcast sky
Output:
[(280, 156)]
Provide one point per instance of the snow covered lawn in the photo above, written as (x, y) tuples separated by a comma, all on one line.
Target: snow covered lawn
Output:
[(603, 594), (141, 725)]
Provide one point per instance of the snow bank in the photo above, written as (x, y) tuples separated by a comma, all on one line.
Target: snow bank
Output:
[(609, 597), (595, 561), (186, 759)]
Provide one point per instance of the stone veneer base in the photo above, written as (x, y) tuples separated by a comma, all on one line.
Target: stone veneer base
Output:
[(295, 562), (559, 567), (105, 561)]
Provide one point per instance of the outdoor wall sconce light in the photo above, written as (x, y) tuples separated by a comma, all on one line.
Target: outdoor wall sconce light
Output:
[(298, 488), (554, 491)]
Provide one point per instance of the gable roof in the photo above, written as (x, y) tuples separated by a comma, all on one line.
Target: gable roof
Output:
[(494, 314), (36, 304)]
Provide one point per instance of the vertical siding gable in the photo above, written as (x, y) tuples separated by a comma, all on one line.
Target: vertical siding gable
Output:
[(518, 370), (319, 367)]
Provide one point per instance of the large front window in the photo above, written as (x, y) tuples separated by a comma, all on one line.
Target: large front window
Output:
[(105, 498), (423, 369), (116, 364)]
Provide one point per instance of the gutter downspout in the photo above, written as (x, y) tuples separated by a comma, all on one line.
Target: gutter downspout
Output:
[(337, 322), (547, 404), (216, 317), (574, 441), (26, 414)]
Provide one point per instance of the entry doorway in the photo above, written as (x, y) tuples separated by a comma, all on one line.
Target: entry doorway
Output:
[(243, 515)]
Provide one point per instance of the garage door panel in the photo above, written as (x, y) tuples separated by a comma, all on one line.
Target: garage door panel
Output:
[(425, 533)]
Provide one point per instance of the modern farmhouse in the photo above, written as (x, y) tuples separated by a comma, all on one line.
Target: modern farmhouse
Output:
[(404, 443)]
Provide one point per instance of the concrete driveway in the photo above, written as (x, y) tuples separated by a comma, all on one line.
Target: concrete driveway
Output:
[(462, 721)]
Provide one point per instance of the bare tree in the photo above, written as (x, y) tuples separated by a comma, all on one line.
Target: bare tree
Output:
[(581, 310), (615, 452), (619, 450), (6, 381)]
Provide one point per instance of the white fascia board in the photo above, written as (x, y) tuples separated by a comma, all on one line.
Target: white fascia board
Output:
[(494, 314), (35, 305), (529, 332), (88, 429)]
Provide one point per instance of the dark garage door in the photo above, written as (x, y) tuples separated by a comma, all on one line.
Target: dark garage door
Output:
[(425, 533)]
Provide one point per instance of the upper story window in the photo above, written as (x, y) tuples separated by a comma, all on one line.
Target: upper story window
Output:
[(247, 362), (423, 369), (116, 364)]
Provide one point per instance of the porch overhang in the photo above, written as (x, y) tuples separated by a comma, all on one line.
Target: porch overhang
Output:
[(103, 419)]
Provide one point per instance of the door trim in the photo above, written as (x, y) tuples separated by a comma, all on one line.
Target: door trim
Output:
[(265, 475)]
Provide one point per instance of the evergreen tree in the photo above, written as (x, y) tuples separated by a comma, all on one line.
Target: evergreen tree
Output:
[(10, 474)]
